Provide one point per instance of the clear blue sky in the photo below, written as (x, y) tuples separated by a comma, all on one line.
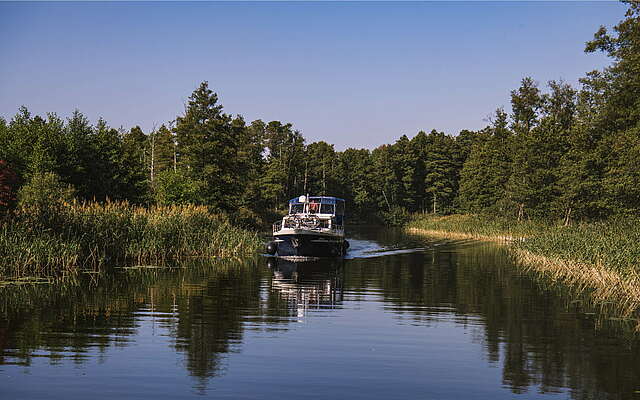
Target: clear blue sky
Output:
[(353, 74)]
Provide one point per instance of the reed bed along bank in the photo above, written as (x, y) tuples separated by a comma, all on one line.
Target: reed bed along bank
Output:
[(474, 227), (600, 258), (64, 239)]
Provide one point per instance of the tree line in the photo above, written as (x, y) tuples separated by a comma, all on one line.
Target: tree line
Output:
[(560, 153)]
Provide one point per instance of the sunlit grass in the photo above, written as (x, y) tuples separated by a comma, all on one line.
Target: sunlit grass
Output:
[(62, 240), (476, 226), (601, 258), (614, 244)]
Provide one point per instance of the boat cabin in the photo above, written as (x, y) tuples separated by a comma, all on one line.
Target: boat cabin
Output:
[(321, 213), (321, 205)]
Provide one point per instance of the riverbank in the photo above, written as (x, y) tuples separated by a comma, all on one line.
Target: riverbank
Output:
[(64, 239), (600, 258)]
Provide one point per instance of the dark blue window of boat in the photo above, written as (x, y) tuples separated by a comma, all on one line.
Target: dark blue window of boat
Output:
[(297, 208), (326, 209)]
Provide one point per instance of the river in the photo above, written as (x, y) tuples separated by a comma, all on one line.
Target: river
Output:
[(400, 318)]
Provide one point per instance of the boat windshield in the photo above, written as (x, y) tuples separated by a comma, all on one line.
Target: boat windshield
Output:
[(317, 205), (327, 209), (296, 208)]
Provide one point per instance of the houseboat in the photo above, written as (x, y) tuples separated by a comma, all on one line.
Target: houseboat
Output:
[(314, 227)]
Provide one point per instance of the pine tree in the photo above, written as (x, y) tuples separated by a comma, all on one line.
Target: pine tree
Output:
[(487, 168), (355, 184), (441, 175), (76, 168), (405, 163), (137, 188), (163, 149), (207, 147), (385, 178), (419, 144)]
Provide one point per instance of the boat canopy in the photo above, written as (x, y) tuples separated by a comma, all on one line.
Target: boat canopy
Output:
[(318, 199), (317, 204)]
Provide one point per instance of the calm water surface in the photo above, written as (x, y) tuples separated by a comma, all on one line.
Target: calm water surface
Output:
[(400, 318)]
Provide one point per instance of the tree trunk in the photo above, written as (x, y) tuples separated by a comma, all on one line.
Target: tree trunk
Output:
[(153, 148), (567, 217), (175, 158), (520, 211), (434, 203), (324, 181), (306, 168), (385, 199)]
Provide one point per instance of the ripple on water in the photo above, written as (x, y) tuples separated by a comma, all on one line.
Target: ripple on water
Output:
[(360, 248)]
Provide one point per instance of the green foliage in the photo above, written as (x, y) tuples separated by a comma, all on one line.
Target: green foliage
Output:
[(354, 182), (71, 237), (8, 183), (611, 112), (320, 175), (45, 191), (177, 188), (162, 150), (92, 159), (208, 147), (526, 101), (396, 216), (283, 176), (386, 177), (443, 168), (622, 176), (484, 175)]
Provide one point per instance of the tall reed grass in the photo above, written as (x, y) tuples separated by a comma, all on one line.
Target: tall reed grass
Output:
[(475, 227), (614, 244), (598, 258), (61, 240)]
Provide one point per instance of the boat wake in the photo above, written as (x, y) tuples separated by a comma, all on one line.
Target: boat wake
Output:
[(297, 258), (370, 249)]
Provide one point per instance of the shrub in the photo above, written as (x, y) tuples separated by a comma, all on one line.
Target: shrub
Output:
[(8, 181), (396, 216), (175, 187), (45, 191)]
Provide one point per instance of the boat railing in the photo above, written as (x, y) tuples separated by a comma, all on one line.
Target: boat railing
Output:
[(308, 222), (277, 226)]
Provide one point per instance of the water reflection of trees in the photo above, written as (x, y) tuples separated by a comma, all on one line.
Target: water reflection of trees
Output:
[(536, 333), (204, 308)]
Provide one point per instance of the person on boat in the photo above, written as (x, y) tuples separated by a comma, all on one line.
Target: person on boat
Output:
[(314, 207)]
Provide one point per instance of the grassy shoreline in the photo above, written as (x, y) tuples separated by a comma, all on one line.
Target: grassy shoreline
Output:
[(599, 258), (65, 239)]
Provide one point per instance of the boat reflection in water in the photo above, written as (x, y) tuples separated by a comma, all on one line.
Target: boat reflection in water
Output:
[(305, 285)]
